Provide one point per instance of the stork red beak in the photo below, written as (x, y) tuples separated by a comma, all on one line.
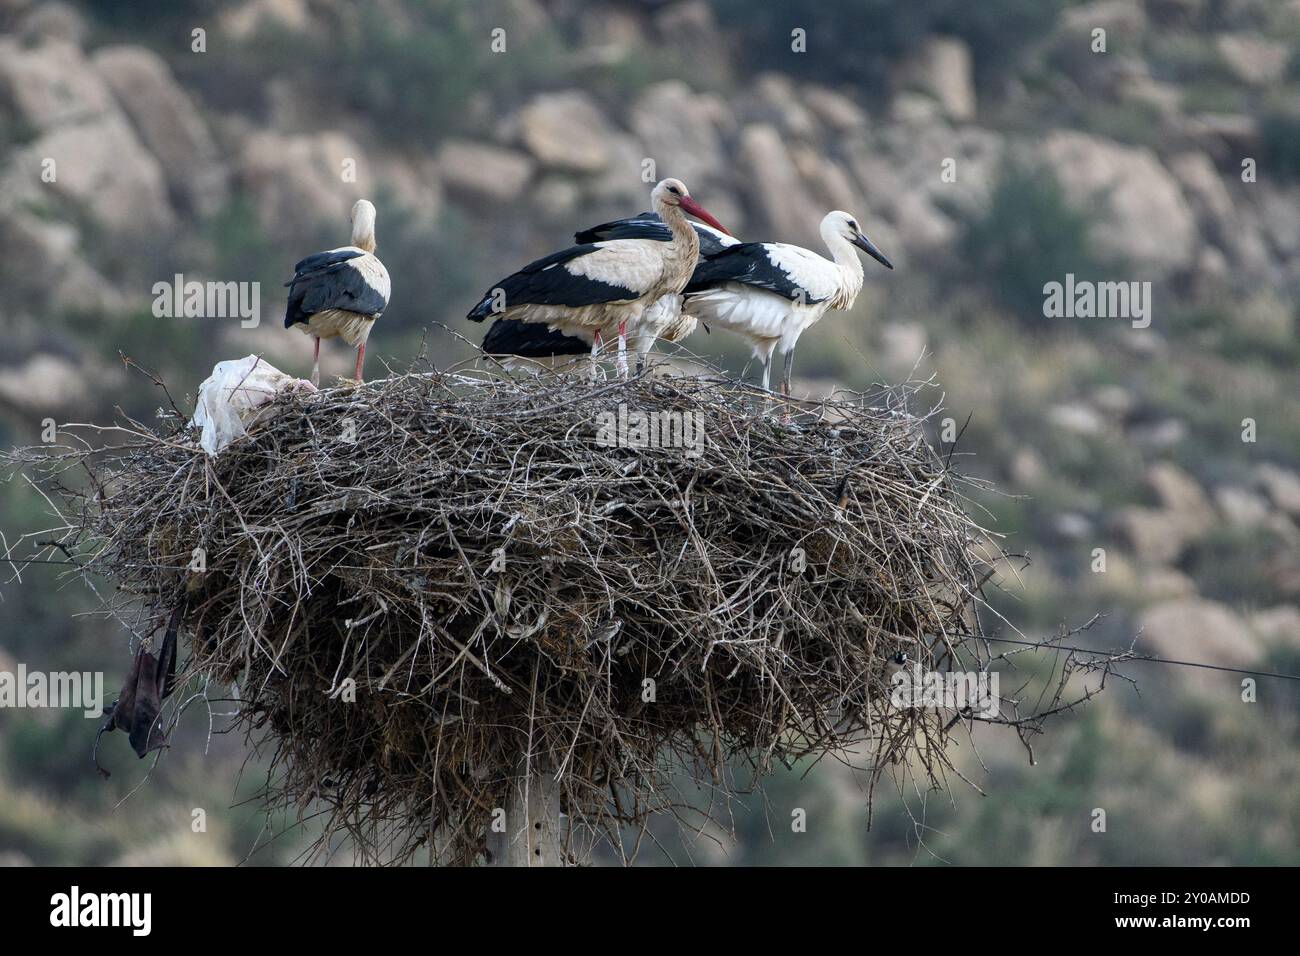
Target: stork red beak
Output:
[(690, 206)]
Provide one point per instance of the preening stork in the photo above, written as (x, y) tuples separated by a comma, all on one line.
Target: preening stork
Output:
[(340, 292), (770, 292), (662, 319), (596, 287)]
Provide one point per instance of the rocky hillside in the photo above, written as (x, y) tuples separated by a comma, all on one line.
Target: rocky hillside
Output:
[(1150, 469)]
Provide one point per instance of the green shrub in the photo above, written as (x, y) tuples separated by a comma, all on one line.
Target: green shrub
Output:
[(1188, 58), (241, 248), (1135, 122), (858, 42), (437, 76), (1279, 129), (1232, 564), (1028, 235)]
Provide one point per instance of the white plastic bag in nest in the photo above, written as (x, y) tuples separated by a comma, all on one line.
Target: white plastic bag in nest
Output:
[(230, 397)]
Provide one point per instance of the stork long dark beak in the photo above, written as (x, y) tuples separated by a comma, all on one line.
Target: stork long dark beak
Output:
[(869, 247), (691, 207)]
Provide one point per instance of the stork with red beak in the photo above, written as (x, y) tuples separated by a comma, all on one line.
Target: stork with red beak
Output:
[(662, 319), (594, 287)]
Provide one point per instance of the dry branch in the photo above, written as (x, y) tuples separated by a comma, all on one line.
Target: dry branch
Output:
[(492, 580)]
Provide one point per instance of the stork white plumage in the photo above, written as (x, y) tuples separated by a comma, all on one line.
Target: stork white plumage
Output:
[(662, 319), (769, 293), (340, 292), (594, 287)]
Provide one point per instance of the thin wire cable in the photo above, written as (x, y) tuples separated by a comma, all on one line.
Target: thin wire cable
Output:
[(1151, 658)]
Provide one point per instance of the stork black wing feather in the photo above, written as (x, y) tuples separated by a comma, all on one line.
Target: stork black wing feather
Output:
[(330, 283), (322, 261), (530, 340), (749, 264), (546, 282), (648, 225), (645, 225)]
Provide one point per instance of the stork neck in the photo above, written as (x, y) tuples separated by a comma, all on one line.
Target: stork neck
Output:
[(843, 252), (845, 256), (363, 227), (681, 228)]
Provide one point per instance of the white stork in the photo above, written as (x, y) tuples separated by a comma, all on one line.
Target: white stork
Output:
[(594, 287), (340, 292), (770, 292), (662, 319)]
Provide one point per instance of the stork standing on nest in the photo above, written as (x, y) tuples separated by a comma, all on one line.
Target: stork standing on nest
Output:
[(599, 286), (769, 293), (662, 319), (341, 292)]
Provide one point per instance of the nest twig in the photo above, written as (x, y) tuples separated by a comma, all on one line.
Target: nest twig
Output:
[(414, 581)]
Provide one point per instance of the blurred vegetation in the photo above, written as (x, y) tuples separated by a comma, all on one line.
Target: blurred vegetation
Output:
[(430, 73), (1225, 564), (1186, 772), (1028, 235), (1280, 132), (428, 79), (883, 32)]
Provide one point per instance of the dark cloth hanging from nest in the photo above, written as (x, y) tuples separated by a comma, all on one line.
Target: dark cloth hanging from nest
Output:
[(149, 682)]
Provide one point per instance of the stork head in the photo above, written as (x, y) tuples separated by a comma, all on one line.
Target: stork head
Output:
[(844, 225), (363, 225), (673, 192)]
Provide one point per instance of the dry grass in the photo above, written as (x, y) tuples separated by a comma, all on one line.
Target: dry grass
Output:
[(501, 588)]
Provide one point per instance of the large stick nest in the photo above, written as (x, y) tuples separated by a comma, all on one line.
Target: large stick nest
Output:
[(503, 590)]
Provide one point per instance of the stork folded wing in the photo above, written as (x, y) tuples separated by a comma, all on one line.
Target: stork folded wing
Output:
[(647, 225), (332, 285), (530, 340), (789, 271), (562, 278), (323, 262)]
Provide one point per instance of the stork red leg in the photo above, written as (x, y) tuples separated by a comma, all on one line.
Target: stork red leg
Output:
[(595, 351), (622, 348), (315, 365), (361, 361)]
